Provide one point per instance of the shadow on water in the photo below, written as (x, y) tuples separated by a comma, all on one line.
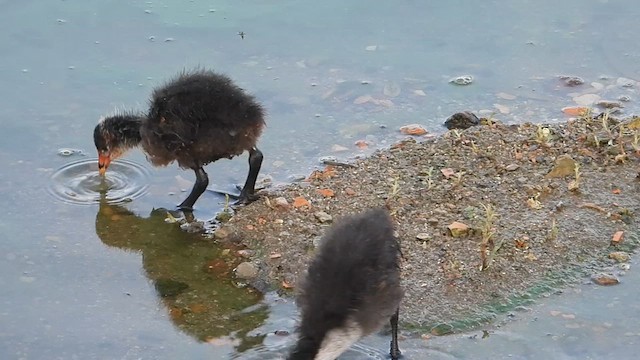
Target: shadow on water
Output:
[(191, 275)]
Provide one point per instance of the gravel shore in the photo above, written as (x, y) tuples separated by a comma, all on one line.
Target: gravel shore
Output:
[(488, 217)]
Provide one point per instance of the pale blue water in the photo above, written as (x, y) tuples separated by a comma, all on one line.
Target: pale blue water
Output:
[(66, 292)]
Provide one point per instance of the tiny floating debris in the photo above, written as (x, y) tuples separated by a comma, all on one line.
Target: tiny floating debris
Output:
[(462, 80), (69, 152)]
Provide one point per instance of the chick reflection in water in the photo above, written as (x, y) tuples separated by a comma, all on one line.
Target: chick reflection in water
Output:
[(190, 274), (352, 288)]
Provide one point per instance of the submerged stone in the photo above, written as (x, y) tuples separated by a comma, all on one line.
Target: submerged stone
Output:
[(605, 279), (170, 287), (246, 270)]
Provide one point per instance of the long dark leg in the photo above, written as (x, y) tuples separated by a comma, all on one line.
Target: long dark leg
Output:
[(247, 194), (395, 350), (202, 181)]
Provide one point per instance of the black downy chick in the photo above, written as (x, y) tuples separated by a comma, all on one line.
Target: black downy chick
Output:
[(352, 287), (197, 118)]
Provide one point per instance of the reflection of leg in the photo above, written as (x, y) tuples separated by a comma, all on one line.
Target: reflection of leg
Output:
[(395, 350), (202, 181), (247, 195)]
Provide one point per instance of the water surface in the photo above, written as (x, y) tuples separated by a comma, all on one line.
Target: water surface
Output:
[(117, 281)]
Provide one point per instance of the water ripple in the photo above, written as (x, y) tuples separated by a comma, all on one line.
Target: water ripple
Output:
[(280, 351), (80, 183)]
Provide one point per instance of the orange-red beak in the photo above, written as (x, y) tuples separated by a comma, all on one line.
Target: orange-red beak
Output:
[(103, 162)]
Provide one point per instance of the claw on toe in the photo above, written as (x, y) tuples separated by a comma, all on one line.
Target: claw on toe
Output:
[(246, 199)]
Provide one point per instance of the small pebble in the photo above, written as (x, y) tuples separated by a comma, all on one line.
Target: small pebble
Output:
[(605, 279), (246, 270), (281, 203), (193, 227), (221, 233), (458, 229), (461, 120), (296, 177), (522, 309), (624, 82), (571, 81), (619, 256), (512, 167), (329, 158), (608, 104), (339, 148), (503, 109), (245, 253), (423, 236), (323, 217), (413, 129), (586, 99)]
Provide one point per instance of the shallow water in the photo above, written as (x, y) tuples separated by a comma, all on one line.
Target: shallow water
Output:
[(80, 183), (115, 280)]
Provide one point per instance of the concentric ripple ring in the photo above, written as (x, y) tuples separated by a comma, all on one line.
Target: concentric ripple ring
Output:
[(80, 183)]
